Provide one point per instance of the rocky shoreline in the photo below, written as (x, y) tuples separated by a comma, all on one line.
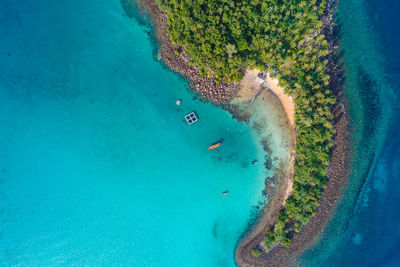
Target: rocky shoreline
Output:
[(177, 60), (337, 173)]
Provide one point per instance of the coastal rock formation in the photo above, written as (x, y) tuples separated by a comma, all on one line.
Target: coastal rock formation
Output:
[(336, 172), (178, 60)]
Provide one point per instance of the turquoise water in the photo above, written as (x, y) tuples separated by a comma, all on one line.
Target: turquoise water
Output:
[(97, 166), (365, 228)]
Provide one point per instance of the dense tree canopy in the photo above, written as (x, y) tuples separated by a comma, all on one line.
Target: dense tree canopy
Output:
[(224, 37)]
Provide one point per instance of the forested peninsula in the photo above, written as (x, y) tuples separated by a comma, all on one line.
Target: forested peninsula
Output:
[(224, 38)]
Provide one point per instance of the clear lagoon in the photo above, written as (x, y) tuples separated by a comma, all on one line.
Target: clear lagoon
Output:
[(97, 165)]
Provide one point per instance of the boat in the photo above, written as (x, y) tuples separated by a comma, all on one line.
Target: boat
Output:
[(225, 193), (215, 145), (254, 162)]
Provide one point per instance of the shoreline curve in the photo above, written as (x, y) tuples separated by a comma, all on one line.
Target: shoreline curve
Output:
[(222, 94), (337, 171)]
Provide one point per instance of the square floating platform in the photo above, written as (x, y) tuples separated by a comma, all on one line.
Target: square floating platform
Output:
[(191, 118)]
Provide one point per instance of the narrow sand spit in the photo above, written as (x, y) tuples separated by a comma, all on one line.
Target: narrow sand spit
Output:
[(337, 171), (274, 95), (221, 93)]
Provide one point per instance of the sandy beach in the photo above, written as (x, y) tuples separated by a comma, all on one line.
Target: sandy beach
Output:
[(336, 171), (224, 93), (249, 87), (287, 101), (283, 106)]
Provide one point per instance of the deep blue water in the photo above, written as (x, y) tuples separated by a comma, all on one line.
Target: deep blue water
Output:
[(365, 229), (97, 166)]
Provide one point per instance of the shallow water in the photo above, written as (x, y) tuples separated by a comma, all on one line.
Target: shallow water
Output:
[(97, 165), (364, 230)]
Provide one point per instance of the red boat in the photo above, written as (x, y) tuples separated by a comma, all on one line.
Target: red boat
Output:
[(213, 146)]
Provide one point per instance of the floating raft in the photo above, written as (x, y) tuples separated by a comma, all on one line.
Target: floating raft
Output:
[(191, 118)]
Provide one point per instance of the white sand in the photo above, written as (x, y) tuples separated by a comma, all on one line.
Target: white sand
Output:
[(249, 86), (286, 100)]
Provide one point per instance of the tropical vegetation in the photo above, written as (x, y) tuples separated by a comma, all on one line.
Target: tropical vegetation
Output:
[(225, 37)]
